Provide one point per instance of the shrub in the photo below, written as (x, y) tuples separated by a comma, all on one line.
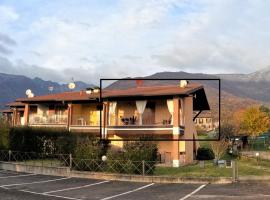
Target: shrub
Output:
[(87, 155), (4, 135), (204, 153), (129, 159), (45, 140)]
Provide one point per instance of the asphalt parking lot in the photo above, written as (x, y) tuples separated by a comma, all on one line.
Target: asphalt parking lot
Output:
[(22, 186)]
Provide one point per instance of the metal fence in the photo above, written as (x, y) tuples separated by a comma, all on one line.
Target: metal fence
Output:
[(198, 169), (35, 159), (66, 160)]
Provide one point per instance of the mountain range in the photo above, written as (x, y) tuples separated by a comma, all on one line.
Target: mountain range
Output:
[(14, 86), (237, 90)]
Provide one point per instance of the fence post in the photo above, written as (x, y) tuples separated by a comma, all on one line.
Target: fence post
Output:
[(235, 170), (70, 161), (143, 167), (9, 155)]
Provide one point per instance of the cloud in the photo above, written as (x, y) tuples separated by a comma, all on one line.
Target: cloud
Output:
[(7, 40), (125, 38), (7, 15), (4, 50), (32, 71)]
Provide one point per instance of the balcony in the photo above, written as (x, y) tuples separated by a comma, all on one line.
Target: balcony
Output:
[(48, 120), (85, 118), (127, 119)]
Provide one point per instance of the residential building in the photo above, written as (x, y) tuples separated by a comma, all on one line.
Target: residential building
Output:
[(164, 113)]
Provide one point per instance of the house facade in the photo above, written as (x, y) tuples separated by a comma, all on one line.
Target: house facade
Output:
[(205, 122), (162, 113)]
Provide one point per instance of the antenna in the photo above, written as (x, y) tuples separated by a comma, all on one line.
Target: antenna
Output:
[(50, 88)]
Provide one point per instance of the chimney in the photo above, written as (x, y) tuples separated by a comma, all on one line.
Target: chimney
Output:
[(139, 83)]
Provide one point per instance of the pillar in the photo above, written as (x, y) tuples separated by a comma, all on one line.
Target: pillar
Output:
[(189, 129), (70, 115), (26, 114), (105, 117), (176, 130)]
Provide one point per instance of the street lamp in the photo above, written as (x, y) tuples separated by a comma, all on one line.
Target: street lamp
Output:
[(104, 158), (257, 154)]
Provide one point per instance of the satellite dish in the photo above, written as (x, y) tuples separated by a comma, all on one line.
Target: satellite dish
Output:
[(71, 86), (31, 95), (183, 83), (28, 92)]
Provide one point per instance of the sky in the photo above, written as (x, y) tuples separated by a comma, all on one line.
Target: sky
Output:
[(90, 39)]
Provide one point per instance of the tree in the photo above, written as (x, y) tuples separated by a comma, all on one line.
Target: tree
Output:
[(219, 148), (255, 122), (265, 109)]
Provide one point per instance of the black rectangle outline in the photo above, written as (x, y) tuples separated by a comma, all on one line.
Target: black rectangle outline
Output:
[(168, 79)]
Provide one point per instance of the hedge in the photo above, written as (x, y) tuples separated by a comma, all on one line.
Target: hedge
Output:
[(45, 140)]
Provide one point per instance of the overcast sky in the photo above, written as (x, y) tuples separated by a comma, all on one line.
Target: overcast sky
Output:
[(88, 39)]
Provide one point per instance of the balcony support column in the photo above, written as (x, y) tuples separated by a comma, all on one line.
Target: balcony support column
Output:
[(105, 117), (26, 114), (176, 131), (189, 129), (70, 113)]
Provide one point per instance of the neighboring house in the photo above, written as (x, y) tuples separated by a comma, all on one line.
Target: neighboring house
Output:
[(14, 115), (205, 121), (160, 112)]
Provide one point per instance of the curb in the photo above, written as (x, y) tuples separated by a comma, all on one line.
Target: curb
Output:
[(65, 171)]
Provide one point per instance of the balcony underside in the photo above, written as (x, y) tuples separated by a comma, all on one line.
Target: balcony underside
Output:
[(131, 132), (89, 129)]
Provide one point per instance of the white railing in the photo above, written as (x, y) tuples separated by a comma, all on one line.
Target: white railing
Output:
[(49, 119)]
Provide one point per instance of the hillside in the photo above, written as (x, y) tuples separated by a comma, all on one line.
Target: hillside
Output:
[(14, 86)]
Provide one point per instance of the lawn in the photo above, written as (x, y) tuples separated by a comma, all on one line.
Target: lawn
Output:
[(246, 167)]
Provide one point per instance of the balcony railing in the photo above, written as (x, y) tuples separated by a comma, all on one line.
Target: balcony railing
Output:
[(50, 119), (83, 120)]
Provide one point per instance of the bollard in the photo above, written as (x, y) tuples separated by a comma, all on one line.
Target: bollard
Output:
[(143, 167), (70, 161), (235, 171), (9, 155)]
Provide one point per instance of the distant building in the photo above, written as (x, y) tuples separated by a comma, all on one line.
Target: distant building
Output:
[(205, 122)]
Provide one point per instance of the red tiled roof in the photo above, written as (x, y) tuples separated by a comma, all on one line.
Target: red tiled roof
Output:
[(153, 91), (138, 91), (6, 111), (15, 104), (65, 96)]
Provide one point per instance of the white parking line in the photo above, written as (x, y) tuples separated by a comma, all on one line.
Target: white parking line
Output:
[(140, 188), (36, 182), (13, 176), (79, 187), (49, 195), (195, 191)]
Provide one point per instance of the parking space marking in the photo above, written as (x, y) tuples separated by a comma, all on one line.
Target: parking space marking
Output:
[(193, 192), (13, 176), (124, 193), (35, 182), (74, 188), (49, 195)]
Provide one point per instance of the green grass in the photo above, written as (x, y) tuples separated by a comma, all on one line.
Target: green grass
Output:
[(45, 162), (195, 171), (246, 167)]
